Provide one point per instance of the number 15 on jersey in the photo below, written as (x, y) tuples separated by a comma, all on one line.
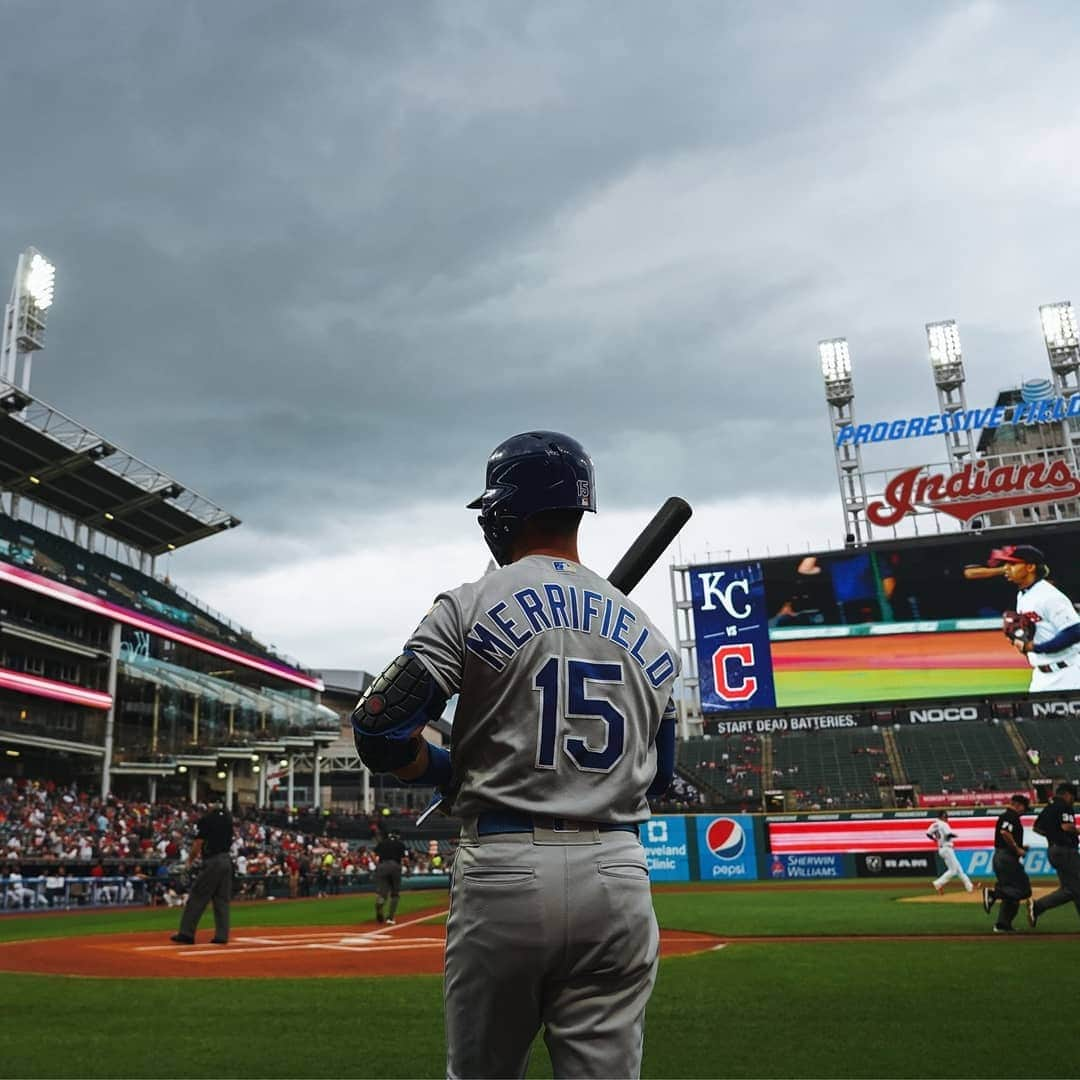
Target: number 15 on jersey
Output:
[(565, 682)]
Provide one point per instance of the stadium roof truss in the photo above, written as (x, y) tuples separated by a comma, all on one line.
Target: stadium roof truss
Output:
[(57, 462)]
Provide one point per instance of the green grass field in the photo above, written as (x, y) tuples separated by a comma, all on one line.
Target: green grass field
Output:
[(922, 1007)]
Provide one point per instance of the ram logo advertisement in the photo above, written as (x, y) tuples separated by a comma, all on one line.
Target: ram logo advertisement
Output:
[(726, 849), (896, 864)]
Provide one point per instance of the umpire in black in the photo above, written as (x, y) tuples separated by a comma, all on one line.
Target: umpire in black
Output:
[(1058, 824), (1013, 884), (390, 853), (214, 835)]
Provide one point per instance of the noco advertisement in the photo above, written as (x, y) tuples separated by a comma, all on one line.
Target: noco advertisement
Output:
[(913, 621)]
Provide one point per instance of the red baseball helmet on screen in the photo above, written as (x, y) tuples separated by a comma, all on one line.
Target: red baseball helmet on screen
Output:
[(1017, 553)]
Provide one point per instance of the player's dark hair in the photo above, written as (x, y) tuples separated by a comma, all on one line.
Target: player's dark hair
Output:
[(1021, 800), (1066, 789), (555, 522), (943, 813)]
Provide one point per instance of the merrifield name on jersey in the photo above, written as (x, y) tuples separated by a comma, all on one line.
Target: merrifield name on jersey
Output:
[(533, 611)]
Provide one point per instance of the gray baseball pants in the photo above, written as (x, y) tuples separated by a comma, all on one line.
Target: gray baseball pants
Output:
[(554, 930), (387, 878), (214, 883)]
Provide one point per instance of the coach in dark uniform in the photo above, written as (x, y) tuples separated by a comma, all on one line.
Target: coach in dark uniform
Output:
[(390, 853), (214, 835), (1013, 884), (1058, 824)]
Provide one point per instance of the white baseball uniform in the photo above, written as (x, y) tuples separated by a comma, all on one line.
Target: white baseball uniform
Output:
[(1055, 611), (941, 833)]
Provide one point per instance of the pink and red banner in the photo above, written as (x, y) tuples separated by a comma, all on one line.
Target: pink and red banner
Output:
[(26, 579), (22, 683), (896, 834)]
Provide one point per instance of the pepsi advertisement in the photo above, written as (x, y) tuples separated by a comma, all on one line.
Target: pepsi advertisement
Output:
[(665, 843), (726, 848), (731, 625)]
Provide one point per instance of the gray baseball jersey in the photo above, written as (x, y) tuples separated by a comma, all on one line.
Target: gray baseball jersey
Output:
[(563, 683)]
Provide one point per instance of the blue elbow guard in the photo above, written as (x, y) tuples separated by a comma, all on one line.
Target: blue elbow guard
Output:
[(399, 702)]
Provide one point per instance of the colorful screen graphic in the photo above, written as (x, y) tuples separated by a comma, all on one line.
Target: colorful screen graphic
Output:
[(896, 623)]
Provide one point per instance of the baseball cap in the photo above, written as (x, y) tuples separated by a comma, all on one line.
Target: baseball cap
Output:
[(1017, 553)]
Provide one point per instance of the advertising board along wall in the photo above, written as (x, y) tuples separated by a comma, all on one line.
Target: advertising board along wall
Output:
[(885, 843)]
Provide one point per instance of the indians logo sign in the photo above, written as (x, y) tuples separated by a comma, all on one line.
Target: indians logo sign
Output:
[(974, 489)]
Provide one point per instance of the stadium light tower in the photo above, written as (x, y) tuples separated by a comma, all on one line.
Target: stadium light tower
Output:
[(25, 316), (1062, 344), (947, 362), (840, 394), (1063, 348)]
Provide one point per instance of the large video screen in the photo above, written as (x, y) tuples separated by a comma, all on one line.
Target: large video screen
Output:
[(906, 622)]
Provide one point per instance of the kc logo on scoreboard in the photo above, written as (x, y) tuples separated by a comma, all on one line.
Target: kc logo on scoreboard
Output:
[(731, 625)]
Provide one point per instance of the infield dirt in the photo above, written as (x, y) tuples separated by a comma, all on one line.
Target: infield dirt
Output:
[(412, 947)]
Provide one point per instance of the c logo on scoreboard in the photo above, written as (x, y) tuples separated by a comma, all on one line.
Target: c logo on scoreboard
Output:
[(730, 663)]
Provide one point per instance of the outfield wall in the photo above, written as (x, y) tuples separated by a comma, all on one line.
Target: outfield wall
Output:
[(860, 844)]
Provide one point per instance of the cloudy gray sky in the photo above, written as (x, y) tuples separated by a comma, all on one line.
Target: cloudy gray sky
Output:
[(316, 259)]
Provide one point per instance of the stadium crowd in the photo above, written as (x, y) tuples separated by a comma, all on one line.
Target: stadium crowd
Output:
[(128, 849)]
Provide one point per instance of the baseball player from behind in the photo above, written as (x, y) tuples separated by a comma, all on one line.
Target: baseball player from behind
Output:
[(563, 729), (941, 833), (1045, 627)]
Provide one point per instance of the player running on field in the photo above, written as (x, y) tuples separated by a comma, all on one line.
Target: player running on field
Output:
[(941, 833), (1045, 626), (563, 729)]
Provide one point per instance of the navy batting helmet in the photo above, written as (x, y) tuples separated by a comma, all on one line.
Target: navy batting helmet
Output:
[(529, 473)]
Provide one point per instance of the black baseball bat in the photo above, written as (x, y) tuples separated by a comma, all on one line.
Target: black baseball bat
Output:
[(650, 544)]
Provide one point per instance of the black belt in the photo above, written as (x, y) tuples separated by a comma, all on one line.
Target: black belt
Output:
[(510, 821), (1053, 667)]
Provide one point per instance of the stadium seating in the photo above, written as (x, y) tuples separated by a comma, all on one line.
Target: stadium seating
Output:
[(52, 556), (960, 757), (1057, 742), (833, 769), (726, 769)]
